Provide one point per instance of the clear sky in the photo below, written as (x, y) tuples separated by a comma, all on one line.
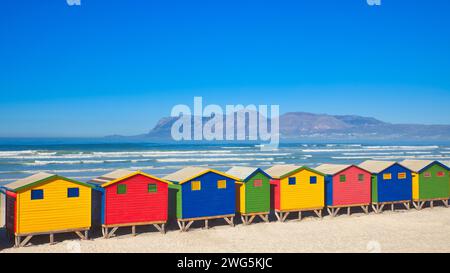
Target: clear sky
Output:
[(117, 66)]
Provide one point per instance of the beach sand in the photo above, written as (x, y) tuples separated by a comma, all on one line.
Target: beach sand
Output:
[(400, 231)]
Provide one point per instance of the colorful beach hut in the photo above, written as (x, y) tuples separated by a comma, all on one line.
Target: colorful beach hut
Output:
[(447, 164), (296, 189), (252, 193), (346, 186), (391, 184), (430, 182), (203, 194), (130, 199), (47, 204)]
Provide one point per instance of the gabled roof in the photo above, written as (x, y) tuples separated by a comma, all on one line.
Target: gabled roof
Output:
[(277, 171), (37, 179), (332, 169), (244, 173), (120, 175), (282, 171), (188, 173), (419, 165), (446, 163), (111, 176), (377, 166)]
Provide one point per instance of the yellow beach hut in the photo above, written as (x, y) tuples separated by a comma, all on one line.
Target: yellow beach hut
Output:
[(47, 204), (296, 189)]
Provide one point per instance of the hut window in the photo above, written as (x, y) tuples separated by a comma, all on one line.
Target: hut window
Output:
[(73, 192), (361, 177), (313, 180), (152, 187), (292, 181), (257, 183), (37, 194), (196, 186), (387, 176), (221, 184), (342, 178), (121, 189), (440, 174), (401, 175), (427, 174)]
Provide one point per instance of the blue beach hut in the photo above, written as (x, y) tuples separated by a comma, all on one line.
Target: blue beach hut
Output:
[(391, 184), (203, 194)]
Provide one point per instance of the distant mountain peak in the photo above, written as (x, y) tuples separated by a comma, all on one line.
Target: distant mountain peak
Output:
[(304, 125)]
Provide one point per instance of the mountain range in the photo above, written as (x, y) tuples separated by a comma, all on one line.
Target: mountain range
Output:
[(310, 126)]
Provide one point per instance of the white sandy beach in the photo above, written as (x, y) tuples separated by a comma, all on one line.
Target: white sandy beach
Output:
[(400, 231)]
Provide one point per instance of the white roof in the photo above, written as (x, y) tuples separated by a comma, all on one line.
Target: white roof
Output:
[(416, 165), (28, 180), (112, 176), (332, 169), (376, 166), (185, 173), (277, 171), (241, 172), (446, 163)]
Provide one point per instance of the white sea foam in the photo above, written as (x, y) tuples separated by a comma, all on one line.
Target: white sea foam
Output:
[(403, 147), (213, 159), (42, 155), (96, 155), (71, 162), (373, 154), (243, 147), (393, 157), (372, 148)]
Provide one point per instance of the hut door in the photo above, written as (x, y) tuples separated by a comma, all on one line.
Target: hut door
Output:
[(273, 190)]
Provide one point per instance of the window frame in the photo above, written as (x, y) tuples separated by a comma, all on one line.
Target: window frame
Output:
[(440, 174), (387, 176), (123, 187), (221, 184), (196, 182), (313, 180), (402, 176), (342, 178), (154, 185), (427, 174), (257, 183), (361, 177), (294, 179), (73, 196), (40, 197)]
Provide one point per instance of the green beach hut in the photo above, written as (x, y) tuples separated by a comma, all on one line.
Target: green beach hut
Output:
[(252, 193), (447, 164), (431, 182)]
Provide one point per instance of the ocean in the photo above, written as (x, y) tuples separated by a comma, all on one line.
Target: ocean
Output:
[(84, 159)]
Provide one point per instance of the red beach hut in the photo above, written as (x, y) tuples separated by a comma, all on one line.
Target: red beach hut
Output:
[(346, 186), (130, 199)]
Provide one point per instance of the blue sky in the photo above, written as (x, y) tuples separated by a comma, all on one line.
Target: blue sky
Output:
[(117, 66)]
